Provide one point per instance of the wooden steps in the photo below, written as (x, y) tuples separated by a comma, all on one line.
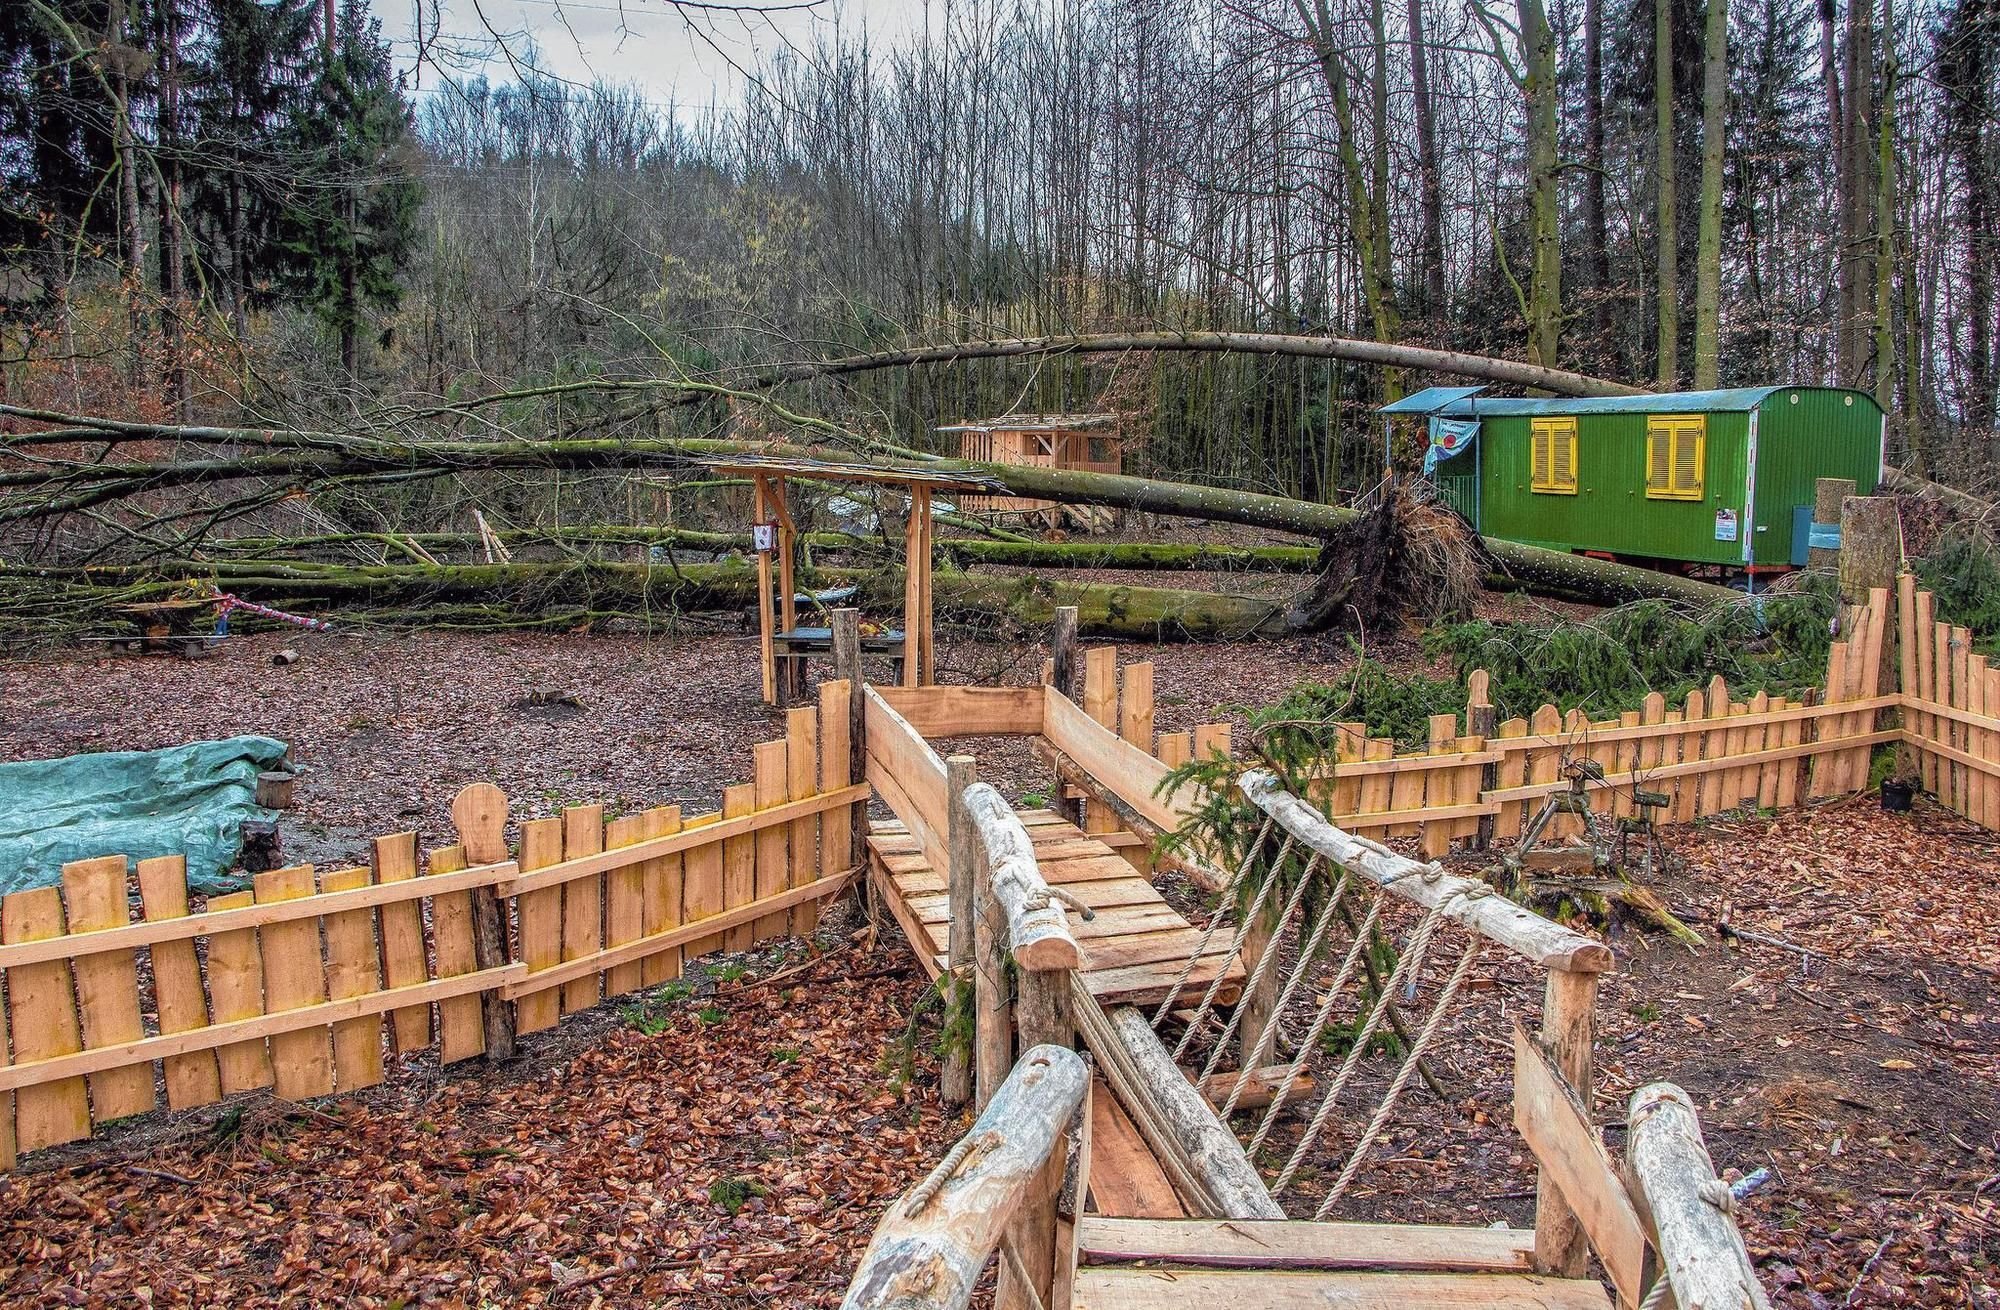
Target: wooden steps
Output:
[(1132, 950), (1126, 1264)]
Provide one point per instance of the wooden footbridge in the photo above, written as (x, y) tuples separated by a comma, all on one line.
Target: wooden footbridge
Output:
[(1102, 1173)]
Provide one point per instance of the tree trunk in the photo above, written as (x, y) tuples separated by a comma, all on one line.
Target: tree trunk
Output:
[(1596, 232), (1538, 51), (1856, 335), (1666, 184), (1430, 179), (1708, 244)]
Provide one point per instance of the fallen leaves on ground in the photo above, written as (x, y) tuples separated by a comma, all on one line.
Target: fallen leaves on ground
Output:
[(607, 1178)]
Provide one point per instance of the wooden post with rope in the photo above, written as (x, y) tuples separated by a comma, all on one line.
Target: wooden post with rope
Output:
[(961, 771)]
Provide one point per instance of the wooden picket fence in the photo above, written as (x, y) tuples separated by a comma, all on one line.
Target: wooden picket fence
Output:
[(303, 983), (1951, 714), (1477, 780)]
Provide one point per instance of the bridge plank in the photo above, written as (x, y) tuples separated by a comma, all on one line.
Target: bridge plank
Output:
[(1123, 1288), (1298, 1244)]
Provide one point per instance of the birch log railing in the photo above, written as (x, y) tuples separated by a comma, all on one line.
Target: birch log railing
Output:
[(930, 1248), (1668, 1216)]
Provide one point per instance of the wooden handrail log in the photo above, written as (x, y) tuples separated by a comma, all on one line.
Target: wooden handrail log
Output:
[(1037, 925), (929, 1256), (1465, 900), (1200, 1155), (1688, 1208)]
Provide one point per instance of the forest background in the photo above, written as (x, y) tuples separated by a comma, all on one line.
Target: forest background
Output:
[(239, 212)]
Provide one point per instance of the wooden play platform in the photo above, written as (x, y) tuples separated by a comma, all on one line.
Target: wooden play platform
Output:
[(1133, 950)]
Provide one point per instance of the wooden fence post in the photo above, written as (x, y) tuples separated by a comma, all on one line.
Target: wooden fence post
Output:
[(1569, 1030), (479, 812), (847, 664), (992, 1009), (1482, 720), (1062, 660), (960, 772), (1044, 1019)]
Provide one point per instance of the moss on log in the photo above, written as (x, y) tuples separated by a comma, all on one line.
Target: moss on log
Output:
[(521, 594)]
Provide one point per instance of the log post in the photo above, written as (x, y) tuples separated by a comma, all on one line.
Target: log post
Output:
[(929, 1249), (479, 812), (1062, 658), (960, 772), (992, 1008), (1258, 1030), (1688, 1208), (1569, 1030), (847, 664), (1871, 552), (1043, 1018)]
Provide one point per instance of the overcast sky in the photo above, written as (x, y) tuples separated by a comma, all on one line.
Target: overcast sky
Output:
[(647, 43)]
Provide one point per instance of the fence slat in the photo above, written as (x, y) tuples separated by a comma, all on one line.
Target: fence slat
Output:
[(739, 862), (801, 777), (236, 991), (294, 977), (107, 985), (661, 895), (772, 763), (41, 1008), (1926, 684), (353, 968), (583, 904), (624, 902), (835, 747), (461, 1030), (703, 894), (403, 939), (541, 919), (191, 1079)]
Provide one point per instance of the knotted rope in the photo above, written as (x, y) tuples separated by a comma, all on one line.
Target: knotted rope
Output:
[(1408, 965), (1402, 1080), (1039, 900), (1308, 952), (1334, 992), (1201, 1011), (1214, 923), (1265, 964), (922, 1193)]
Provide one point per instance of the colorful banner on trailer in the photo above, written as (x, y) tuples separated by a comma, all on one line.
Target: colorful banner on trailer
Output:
[(1449, 437)]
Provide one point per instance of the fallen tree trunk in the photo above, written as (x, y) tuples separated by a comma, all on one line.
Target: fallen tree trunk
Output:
[(502, 595), (1531, 567), (1386, 354)]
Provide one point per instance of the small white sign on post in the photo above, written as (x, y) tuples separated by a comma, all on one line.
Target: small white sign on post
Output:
[(764, 537)]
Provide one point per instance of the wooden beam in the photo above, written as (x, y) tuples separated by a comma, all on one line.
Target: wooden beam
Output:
[(1198, 1151), (968, 711), (1293, 1244), (145, 1049), (1551, 1118), (1569, 1030), (767, 657)]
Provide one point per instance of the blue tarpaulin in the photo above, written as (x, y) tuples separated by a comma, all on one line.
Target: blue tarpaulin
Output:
[(185, 800)]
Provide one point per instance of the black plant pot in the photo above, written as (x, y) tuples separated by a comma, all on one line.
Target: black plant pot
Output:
[(1897, 795)]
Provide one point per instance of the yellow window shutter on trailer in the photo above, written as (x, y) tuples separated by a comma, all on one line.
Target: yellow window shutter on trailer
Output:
[(1675, 456), (1553, 456)]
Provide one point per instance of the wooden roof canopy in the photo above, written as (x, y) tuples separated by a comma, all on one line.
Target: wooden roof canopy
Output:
[(778, 632)]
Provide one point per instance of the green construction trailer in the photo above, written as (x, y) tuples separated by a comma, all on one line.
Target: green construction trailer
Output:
[(1697, 481)]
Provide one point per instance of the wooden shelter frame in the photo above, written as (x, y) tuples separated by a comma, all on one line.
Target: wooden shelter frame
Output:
[(777, 596)]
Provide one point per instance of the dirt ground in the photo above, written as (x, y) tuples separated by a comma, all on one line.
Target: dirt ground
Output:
[(728, 1136)]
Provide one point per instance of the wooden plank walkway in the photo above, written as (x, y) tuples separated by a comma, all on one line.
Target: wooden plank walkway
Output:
[(1132, 951)]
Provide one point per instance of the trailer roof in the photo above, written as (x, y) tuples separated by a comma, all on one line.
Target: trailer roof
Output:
[(1729, 400)]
